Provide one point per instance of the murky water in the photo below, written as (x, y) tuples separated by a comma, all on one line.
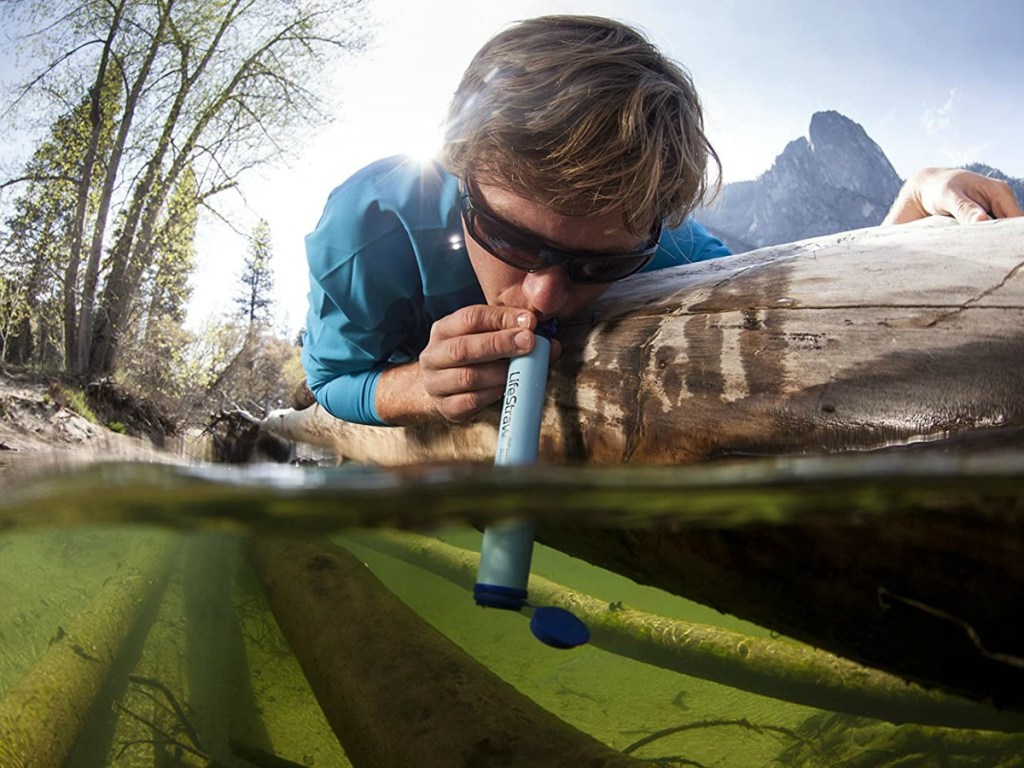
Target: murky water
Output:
[(158, 615)]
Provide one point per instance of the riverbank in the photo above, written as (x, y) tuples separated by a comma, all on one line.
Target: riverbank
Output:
[(39, 426), (34, 419)]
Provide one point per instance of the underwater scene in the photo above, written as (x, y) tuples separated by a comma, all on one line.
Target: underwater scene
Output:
[(270, 615)]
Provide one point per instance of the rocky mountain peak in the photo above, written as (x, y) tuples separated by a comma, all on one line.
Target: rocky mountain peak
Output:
[(849, 159), (834, 179)]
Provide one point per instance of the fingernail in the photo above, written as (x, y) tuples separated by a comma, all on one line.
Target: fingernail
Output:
[(523, 321), (523, 340)]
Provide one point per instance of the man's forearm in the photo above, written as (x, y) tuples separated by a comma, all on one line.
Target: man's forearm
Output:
[(401, 399)]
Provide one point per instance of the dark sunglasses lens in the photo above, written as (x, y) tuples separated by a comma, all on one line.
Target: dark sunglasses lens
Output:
[(597, 270), (505, 243)]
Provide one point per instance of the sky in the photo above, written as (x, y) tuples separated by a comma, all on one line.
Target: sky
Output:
[(933, 82)]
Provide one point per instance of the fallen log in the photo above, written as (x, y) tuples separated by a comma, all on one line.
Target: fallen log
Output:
[(41, 716), (856, 341), (775, 668), (395, 690), (827, 740)]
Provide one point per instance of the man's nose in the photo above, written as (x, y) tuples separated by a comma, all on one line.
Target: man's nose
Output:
[(547, 290)]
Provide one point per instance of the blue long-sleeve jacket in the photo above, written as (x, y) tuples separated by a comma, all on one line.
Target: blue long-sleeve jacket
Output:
[(386, 261)]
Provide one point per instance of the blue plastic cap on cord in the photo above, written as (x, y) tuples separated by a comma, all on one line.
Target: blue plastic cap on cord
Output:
[(558, 628)]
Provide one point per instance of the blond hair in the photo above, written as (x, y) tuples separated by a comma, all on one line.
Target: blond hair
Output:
[(583, 114)]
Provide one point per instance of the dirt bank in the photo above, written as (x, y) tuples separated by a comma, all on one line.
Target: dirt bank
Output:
[(34, 421)]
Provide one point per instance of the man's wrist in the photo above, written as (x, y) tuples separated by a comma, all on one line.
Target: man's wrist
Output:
[(400, 398)]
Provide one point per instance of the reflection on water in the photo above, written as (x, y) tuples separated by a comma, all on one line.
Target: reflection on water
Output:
[(144, 611)]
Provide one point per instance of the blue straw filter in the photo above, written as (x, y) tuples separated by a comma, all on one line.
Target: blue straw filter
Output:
[(507, 547)]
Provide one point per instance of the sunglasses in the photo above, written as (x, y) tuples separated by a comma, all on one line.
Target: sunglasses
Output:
[(524, 251)]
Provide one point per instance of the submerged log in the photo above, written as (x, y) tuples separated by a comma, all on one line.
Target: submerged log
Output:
[(776, 668), (923, 593), (395, 690), (855, 341), (40, 718)]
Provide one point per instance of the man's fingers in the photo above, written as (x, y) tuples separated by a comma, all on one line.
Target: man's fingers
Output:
[(464, 366), (979, 198), (470, 378), (465, 405), (1006, 205), (477, 348), (966, 211), (556, 350), (482, 318)]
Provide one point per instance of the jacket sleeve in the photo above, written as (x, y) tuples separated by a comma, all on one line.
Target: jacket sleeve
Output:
[(362, 275)]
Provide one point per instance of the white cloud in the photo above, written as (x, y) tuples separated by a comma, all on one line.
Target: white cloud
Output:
[(958, 156), (936, 121)]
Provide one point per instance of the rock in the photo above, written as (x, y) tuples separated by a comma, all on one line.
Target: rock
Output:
[(834, 180)]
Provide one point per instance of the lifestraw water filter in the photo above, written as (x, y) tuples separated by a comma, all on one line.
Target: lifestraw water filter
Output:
[(508, 547)]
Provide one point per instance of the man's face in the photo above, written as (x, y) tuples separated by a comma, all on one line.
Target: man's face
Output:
[(547, 292)]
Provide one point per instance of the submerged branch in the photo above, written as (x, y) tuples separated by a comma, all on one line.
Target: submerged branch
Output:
[(777, 668)]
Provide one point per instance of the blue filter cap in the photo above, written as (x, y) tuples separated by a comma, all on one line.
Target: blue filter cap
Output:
[(558, 628), (498, 596)]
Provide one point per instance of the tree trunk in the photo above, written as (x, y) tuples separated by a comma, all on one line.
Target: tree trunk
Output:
[(84, 328), (77, 234), (859, 341)]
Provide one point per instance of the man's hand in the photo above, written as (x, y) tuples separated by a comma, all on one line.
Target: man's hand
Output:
[(966, 196), (463, 367)]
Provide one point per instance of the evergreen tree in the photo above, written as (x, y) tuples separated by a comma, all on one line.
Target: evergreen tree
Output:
[(174, 254), (255, 298), (154, 355)]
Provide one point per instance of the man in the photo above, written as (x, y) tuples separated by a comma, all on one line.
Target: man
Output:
[(573, 154)]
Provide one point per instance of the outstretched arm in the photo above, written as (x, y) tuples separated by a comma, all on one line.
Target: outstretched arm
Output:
[(966, 196)]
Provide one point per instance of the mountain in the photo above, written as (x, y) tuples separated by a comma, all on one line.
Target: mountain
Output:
[(833, 180)]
